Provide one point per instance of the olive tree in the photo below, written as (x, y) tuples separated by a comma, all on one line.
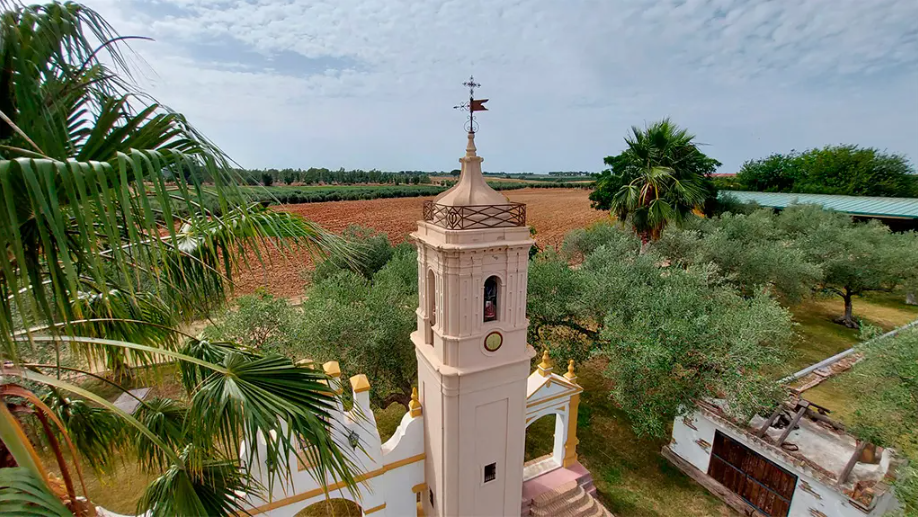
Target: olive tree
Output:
[(855, 258), (260, 322), (751, 251), (365, 324), (670, 336)]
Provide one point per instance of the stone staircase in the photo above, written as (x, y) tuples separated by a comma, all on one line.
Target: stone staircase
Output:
[(568, 500)]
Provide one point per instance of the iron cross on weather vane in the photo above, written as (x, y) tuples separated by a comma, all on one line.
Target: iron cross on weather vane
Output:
[(473, 105)]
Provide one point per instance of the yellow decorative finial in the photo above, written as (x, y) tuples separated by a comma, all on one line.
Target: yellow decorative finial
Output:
[(414, 406), (545, 365), (570, 375)]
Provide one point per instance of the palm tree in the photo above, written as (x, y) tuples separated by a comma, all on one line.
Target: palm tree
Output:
[(659, 179), (120, 222)]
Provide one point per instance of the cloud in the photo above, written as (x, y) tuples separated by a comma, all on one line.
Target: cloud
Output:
[(371, 83)]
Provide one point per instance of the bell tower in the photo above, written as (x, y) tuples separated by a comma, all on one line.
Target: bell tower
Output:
[(473, 359)]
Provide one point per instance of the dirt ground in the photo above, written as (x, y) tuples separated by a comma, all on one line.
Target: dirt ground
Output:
[(553, 212)]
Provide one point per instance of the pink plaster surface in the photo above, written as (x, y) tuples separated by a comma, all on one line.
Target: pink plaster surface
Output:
[(552, 480)]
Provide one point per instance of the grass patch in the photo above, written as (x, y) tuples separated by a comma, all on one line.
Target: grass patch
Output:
[(820, 338), (819, 335), (835, 395), (540, 438)]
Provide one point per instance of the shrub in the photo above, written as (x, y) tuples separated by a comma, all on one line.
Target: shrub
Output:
[(260, 321)]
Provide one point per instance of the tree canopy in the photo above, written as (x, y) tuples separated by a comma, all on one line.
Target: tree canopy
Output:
[(366, 325), (670, 335), (659, 178), (751, 251), (843, 170), (854, 257)]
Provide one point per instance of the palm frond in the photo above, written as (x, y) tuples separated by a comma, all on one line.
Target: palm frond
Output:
[(217, 487), (23, 493), (259, 394), (98, 434), (166, 419), (109, 236)]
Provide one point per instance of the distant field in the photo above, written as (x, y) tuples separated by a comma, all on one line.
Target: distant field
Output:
[(296, 194), (523, 179), (552, 212)]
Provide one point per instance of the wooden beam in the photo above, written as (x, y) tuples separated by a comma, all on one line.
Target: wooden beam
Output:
[(851, 463), (774, 416), (712, 485), (790, 427), (823, 418)]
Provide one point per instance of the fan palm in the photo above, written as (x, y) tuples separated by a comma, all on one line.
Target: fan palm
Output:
[(119, 223), (660, 178)]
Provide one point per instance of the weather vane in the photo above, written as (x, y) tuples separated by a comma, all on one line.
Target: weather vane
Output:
[(473, 105)]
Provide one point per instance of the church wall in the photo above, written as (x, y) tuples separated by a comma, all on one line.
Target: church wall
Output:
[(386, 472)]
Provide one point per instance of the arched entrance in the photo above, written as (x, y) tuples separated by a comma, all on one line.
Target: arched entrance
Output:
[(331, 508), (551, 418), (545, 439)]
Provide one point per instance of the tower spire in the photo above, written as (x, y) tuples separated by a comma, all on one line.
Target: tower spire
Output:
[(471, 189)]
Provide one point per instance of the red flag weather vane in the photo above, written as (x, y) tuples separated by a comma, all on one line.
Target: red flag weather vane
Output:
[(473, 105)]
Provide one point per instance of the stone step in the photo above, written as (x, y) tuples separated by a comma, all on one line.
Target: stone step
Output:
[(562, 492), (557, 505), (575, 505)]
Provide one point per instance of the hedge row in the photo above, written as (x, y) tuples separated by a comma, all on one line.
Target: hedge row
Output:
[(306, 194), (296, 195)]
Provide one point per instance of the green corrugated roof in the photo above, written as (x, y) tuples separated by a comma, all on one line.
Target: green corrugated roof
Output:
[(906, 207)]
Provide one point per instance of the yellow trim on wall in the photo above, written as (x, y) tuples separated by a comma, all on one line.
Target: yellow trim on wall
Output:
[(375, 509), (570, 447), (358, 479)]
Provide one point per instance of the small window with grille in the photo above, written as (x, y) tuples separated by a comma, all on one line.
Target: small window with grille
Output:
[(490, 472)]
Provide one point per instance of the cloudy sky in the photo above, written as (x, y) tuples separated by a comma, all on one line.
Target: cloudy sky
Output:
[(371, 83)]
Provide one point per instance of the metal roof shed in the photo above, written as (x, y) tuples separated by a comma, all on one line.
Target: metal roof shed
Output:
[(860, 206)]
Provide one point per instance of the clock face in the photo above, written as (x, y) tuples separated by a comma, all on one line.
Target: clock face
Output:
[(493, 341)]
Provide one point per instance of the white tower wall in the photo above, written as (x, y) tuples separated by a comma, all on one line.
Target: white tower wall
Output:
[(474, 399)]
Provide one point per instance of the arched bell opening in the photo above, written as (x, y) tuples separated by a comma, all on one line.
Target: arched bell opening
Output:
[(491, 309)]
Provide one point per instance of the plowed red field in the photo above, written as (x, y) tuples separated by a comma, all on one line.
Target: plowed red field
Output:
[(553, 212)]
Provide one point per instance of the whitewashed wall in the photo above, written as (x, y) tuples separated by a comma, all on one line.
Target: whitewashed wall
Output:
[(695, 446), (388, 470)]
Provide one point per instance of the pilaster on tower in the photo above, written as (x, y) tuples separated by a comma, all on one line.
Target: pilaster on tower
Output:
[(473, 359)]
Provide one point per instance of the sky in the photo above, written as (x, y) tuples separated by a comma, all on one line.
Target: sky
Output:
[(372, 83)]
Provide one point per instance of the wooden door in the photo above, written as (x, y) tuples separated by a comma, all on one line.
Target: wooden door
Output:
[(757, 480)]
